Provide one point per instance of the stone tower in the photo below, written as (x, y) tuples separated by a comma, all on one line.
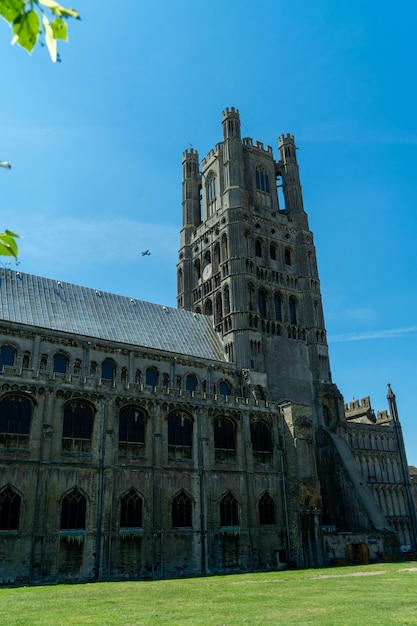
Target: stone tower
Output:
[(247, 258)]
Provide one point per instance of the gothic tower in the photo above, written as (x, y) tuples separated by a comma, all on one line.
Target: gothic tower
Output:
[(247, 258)]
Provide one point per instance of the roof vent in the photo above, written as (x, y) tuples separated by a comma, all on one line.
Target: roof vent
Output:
[(132, 301), (98, 293), (165, 309), (59, 284)]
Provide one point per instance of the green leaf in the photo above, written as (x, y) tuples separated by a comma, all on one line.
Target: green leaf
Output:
[(59, 29), (9, 232), (26, 30), (11, 9), (8, 246), (58, 9), (49, 39)]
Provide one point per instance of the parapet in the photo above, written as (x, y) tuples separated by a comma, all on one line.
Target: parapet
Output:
[(190, 154), (283, 139), (357, 409), (232, 112)]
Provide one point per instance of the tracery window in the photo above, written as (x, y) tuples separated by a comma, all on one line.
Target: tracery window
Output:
[(182, 511), (10, 502), (131, 429), (15, 418), (229, 511), (180, 433), (131, 510), (262, 180), (73, 511), (211, 188), (224, 439), (267, 512), (261, 441), (7, 356), (77, 426)]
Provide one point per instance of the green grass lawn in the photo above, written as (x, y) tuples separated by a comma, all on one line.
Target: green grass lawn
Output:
[(363, 596)]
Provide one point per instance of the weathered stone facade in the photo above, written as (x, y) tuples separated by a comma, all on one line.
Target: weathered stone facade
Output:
[(138, 441)]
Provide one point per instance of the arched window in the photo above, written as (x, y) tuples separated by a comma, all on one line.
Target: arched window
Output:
[(292, 305), (107, 370), (225, 252), (219, 309), (211, 188), (229, 511), (73, 511), (226, 299), (131, 507), (151, 377), (191, 382), (216, 256), (224, 388), (251, 291), (208, 307), (131, 429), (60, 363), (273, 252), (180, 281), (258, 248), (182, 511), (262, 302), (9, 509), (267, 513), (278, 307), (15, 418), (180, 434), (197, 269), (260, 434), (287, 256), (262, 180), (26, 359), (224, 439), (7, 356), (77, 426)]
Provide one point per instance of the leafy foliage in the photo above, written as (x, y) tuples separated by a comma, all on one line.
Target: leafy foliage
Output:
[(25, 18), (8, 245)]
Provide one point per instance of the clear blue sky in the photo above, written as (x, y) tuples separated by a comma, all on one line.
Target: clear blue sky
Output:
[(96, 144)]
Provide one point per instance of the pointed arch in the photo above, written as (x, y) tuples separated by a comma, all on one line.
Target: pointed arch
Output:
[(267, 510), (182, 511), (10, 505), (131, 509), (229, 510), (73, 510)]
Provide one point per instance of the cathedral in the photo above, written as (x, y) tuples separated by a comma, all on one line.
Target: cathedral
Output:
[(139, 441)]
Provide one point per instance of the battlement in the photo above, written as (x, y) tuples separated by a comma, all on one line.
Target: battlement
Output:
[(232, 112), (190, 154), (218, 149), (248, 141), (285, 139), (358, 405)]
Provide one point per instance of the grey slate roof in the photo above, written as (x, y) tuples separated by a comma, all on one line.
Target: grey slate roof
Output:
[(49, 304)]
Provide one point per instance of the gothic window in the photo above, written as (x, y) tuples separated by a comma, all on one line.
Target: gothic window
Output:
[(273, 251), (226, 300), (267, 513), (224, 247), (224, 439), (131, 508), (207, 258), (216, 256), (278, 307), (77, 426), (250, 296), (107, 370), (151, 377), (180, 282), (197, 269), (224, 388), (229, 511), (219, 312), (191, 382), (182, 511), (211, 188), (180, 432), (9, 509), (131, 429), (60, 363), (73, 511), (7, 356), (208, 307), (262, 302), (287, 256), (292, 305), (261, 441), (262, 180), (258, 248), (15, 418)]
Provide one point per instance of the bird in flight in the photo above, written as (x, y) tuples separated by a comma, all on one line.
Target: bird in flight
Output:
[(146, 253)]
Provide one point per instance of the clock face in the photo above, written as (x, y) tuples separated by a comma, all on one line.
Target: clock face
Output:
[(207, 272)]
